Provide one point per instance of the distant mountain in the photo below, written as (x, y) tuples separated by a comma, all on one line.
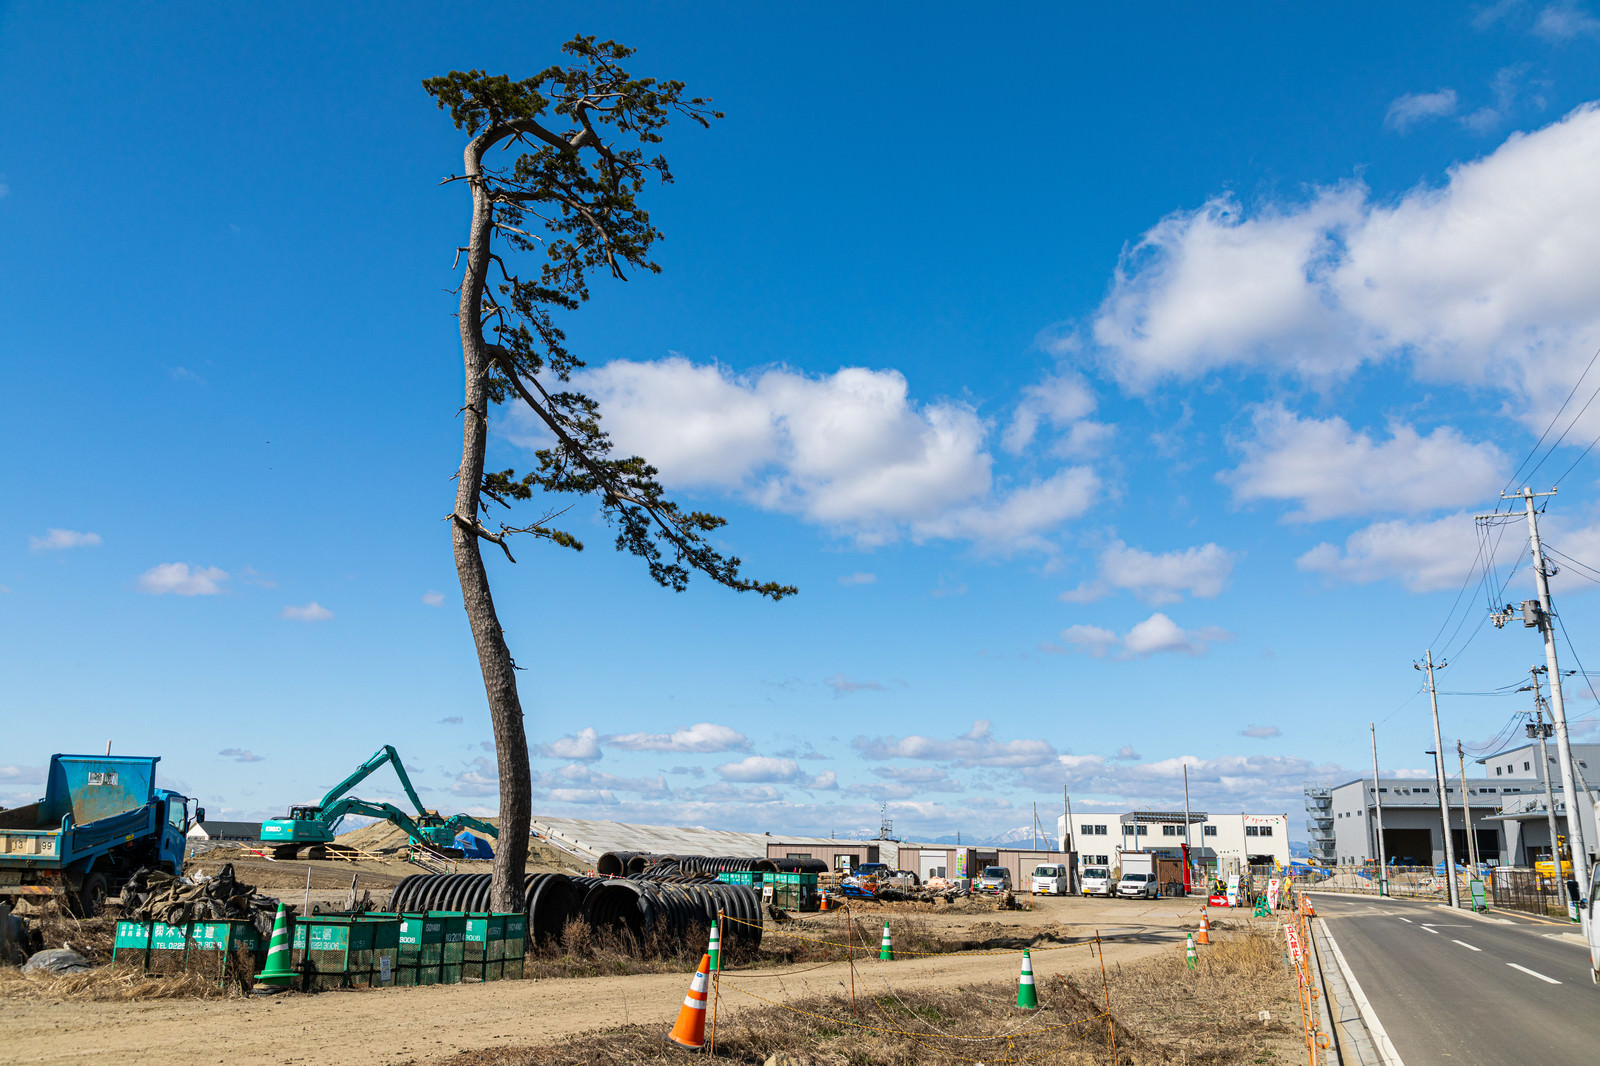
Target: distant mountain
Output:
[(1299, 849), (1020, 837)]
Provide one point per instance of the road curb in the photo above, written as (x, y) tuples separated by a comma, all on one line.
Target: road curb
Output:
[(1376, 1047)]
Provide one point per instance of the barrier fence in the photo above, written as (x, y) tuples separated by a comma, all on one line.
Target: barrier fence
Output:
[(1514, 888)]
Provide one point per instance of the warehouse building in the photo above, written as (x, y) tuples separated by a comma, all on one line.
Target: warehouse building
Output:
[(1507, 811), (1224, 843), (924, 860)]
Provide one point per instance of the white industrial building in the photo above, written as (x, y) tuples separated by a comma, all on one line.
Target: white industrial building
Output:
[(1507, 807), (1233, 841)]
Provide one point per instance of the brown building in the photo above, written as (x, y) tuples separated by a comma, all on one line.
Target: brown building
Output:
[(924, 860)]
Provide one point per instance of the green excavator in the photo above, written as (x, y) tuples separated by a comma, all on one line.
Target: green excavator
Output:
[(313, 826)]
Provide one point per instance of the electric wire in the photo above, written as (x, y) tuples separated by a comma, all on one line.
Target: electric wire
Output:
[(1552, 450), (1553, 420)]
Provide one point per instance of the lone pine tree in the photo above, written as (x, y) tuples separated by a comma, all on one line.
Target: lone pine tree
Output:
[(567, 205)]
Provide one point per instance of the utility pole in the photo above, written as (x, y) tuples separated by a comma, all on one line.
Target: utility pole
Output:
[(1540, 728), (1377, 797), (1188, 855), (1438, 773), (1539, 613), (1466, 813)]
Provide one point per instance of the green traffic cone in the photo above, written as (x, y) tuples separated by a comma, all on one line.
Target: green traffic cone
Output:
[(277, 970), (885, 949), (1027, 996), (1188, 953), (715, 950)]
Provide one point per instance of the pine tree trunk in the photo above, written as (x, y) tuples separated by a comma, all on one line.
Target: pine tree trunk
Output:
[(494, 658)]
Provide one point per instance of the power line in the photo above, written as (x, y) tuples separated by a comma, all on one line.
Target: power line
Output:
[(1553, 420), (1557, 444)]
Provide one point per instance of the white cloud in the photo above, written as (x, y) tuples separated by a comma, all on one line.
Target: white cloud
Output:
[(585, 796), (583, 745), (240, 755), (1331, 470), (1233, 782), (850, 451), (762, 769), (453, 719), (1491, 279), (1059, 401), (1423, 556), (1153, 636), (311, 612), (480, 778), (858, 578), (432, 598), (1157, 578), (576, 775), (976, 747), (1127, 754), (57, 539), (1408, 110), (920, 778), (843, 686), (702, 737), (182, 580), (1261, 732), (1564, 21)]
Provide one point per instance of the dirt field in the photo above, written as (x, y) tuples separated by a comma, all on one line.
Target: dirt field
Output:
[(366, 1028)]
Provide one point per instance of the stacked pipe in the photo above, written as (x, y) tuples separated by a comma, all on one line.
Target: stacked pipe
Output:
[(657, 915), (653, 914), (549, 899), (801, 866)]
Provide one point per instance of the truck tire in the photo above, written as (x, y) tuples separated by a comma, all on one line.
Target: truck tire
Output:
[(91, 898)]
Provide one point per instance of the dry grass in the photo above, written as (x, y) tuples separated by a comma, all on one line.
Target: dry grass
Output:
[(1160, 1012), (107, 984)]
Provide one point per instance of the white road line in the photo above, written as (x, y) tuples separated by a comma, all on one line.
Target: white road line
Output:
[(1431, 929), (1408, 921), (1533, 973), (1466, 945), (1387, 1055)]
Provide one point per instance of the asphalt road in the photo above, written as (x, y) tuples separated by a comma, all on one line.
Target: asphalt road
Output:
[(1454, 988)]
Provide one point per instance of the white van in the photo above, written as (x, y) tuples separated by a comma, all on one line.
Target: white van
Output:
[(1051, 879), (1096, 881)]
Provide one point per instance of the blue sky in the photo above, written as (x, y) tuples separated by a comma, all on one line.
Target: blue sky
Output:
[(1118, 387)]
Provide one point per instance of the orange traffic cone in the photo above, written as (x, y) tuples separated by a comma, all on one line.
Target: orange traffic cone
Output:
[(1205, 929), (824, 900), (1311, 912), (690, 1029)]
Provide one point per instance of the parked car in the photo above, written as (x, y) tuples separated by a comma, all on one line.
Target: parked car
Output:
[(994, 879), (1138, 886), (1096, 881), (1051, 879)]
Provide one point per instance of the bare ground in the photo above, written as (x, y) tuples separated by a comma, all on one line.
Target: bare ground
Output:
[(430, 1024)]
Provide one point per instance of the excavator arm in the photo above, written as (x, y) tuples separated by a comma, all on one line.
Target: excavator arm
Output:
[(456, 822), (385, 754), (334, 814)]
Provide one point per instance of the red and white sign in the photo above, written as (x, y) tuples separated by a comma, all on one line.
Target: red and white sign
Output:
[(1293, 938), (1217, 901)]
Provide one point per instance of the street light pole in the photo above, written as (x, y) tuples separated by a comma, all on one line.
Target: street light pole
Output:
[(1466, 811), (1377, 798)]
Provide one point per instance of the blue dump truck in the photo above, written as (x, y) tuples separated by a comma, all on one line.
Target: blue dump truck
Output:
[(102, 817)]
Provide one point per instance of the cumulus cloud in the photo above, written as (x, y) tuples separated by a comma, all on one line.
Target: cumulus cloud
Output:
[(976, 747), (1231, 782), (850, 451), (1491, 279), (858, 578), (1057, 401), (310, 612), (180, 579), (1331, 470), (702, 737), (762, 769), (1157, 578), (921, 778), (432, 598), (57, 539), (480, 778), (1127, 754), (1153, 636), (1412, 108), (576, 775), (1422, 556), (1261, 732), (583, 745), (240, 755)]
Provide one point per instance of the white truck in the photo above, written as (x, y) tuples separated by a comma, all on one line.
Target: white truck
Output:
[(1138, 877), (1096, 881), (1051, 879)]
